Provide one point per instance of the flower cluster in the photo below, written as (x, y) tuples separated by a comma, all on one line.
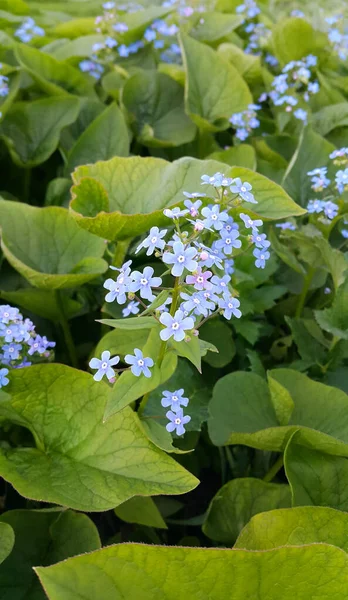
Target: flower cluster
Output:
[(175, 400), (257, 33), (296, 79), (338, 38), (28, 30), (244, 122), (197, 248), (4, 89), (19, 342)]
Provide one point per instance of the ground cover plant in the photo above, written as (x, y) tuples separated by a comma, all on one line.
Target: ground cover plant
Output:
[(173, 300)]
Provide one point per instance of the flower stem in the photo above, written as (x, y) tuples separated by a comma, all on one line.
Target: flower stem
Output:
[(274, 469), (302, 297), (69, 342)]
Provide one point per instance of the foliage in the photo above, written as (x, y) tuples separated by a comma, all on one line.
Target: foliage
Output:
[(174, 300)]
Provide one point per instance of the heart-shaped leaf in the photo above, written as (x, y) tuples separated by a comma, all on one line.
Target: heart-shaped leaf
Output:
[(7, 540), (79, 461), (141, 510), (47, 247)]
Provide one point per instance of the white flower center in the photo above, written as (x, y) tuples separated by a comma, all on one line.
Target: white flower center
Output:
[(262, 256), (104, 365), (153, 240), (243, 188), (214, 217), (223, 284), (177, 421), (143, 281), (11, 349), (6, 314), (120, 279), (175, 325), (228, 241), (181, 258), (8, 331), (140, 362), (200, 279), (230, 305), (174, 398)]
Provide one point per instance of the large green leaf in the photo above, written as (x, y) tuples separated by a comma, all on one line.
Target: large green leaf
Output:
[(248, 65), (330, 117), (31, 130), (317, 571), (239, 500), (47, 247), (312, 151), (315, 477), (214, 89), (156, 105), (335, 319), (43, 303), (295, 38), (240, 156), (7, 540), (42, 537), (220, 335), (79, 461), (141, 510), (295, 527), (124, 197), (106, 136), (242, 412), (212, 26), (54, 77)]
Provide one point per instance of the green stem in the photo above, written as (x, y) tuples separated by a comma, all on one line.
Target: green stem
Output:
[(69, 342), (274, 469), (120, 252), (302, 298)]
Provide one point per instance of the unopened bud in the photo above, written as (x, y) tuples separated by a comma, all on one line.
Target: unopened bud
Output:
[(131, 296), (204, 255), (187, 339), (195, 332)]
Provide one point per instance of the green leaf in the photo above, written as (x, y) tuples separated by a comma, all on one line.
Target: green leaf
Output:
[(79, 461), (284, 253), (240, 156), (124, 197), (31, 130), (282, 402), (190, 350), (313, 476), (158, 435), (53, 77), (241, 412), (335, 319), (7, 101), (42, 302), (334, 260), (156, 106), (237, 502), (295, 38), (128, 387), (122, 341), (212, 26), (309, 339), (7, 540), (220, 335), (295, 527), (312, 150), (248, 65), (214, 88), (196, 390), (131, 324), (42, 537), (142, 511), (47, 247), (317, 571), (107, 136), (81, 46), (330, 117)]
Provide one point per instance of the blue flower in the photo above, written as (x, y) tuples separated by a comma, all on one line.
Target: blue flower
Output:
[(104, 366), (11, 351), (229, 266), (4, 380), (175, 326), (8, 313), (110, 43), (213, 217), (194, 195), (261, 257), (123, 51), (182, 258), (341, 180), (250, 223), (260, 240), (301, 115), (330, 209), (109, 5), (193, 206), (144, 282), (313, 87), (120, 27), (220, 283), (39, 344), (199, 279), (4, 89), (243, 190), (130, 309), (211, 256), (315, 206), (153, 240), (344, 233), (214, 180), (319, 179), (229, 306), (174, 399), (286, 225), (175, 213), (341, 153), (177, 421), (117, 291), (139, 363), (9, 332), (228, 241), (150, 35), (197, 303)]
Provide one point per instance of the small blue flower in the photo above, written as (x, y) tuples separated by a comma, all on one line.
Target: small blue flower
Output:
[(174, 399), (315, 206), (175, 213), (131, 309), (214, 180), (313, 87), (311, 60), (109, 5), (4, 380), (330, 209), (301, 115), (139, 363), (175, 326), (250, 223), (117, 290), (211, 256), (243, 190), (260, 240), (341, 180), (229, 306), (213, 217), (9, 332), (177, 421), (193, 207), (319, 179), (286, 225), (182, 258), (11, 351), (104, 366), (110, 43), (221, 283), (120, 27), (152, 241), (261, 257), (144, 282), (197, 303), (123, 51), (228, 241), (8, 313), (150, 35), (39, 344)]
